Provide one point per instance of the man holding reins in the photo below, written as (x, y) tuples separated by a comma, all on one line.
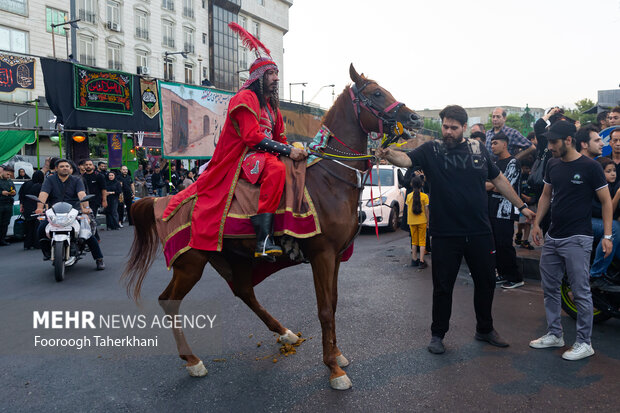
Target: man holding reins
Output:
[(457, 169)]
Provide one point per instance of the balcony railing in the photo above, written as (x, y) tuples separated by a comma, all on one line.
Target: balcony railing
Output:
[(86, 15), (168, 41), (189, 47), (88, 60), (168, 5), (114, 65), (188, 12), (142, 33)]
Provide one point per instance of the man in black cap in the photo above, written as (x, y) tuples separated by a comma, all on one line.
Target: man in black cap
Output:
[(573, 179), (503, 214)]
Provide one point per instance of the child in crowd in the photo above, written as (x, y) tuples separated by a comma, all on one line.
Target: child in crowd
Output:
[(417, 218), (528, 195)]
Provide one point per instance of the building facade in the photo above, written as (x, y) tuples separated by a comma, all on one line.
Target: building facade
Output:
[(184, 41)]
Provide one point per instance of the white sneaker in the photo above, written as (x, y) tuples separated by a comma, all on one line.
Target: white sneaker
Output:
[(546, 341), (578, 351)]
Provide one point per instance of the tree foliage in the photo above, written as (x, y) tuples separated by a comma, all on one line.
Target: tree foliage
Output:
[(577, 112)]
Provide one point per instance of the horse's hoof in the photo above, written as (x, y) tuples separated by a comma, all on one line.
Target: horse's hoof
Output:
[(197, 370), (289, 337), (341, 383), (342, 361)]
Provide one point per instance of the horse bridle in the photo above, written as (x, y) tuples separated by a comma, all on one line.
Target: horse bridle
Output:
[(386, 116)]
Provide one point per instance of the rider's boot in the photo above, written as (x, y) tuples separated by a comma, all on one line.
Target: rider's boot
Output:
[(265, 246)]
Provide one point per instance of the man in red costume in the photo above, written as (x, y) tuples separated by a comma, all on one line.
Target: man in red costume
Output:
[(249, 147)]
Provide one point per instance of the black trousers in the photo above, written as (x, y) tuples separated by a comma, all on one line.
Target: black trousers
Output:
[(506, 256), (6, 212), (31, 239), (448, 252), (128, 201)]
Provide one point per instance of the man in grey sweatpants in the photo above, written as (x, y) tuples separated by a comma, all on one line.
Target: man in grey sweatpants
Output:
[(571, 181)]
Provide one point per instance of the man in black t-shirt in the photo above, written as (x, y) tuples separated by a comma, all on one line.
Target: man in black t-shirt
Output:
[(502, 214), (64, 187), (570, 183), (95, 185), (456, 170)]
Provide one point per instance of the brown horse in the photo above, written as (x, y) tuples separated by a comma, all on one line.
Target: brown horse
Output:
[(333, 187)]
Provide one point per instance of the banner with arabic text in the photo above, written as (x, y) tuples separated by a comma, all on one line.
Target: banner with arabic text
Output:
[(115, 150), (16, 72), (150, 97), (192, 118), (103, 90)]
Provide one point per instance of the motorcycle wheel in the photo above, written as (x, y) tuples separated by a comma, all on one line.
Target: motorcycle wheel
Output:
[(570, 308), (59, 261)]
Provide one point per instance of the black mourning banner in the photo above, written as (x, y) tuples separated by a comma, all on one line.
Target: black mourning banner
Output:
[(16, 72), (62, 93)]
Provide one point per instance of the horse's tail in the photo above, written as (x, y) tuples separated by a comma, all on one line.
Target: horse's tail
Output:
[(144, 247)]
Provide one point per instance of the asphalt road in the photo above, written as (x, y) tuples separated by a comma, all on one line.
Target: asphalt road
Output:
[(383, 323)]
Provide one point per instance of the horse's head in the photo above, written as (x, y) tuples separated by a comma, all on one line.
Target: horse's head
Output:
[(377, 110)]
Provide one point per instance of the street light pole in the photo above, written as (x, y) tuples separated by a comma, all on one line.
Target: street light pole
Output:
[(290, 99)]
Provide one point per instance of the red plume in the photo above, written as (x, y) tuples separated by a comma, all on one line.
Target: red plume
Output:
[(248, 40)]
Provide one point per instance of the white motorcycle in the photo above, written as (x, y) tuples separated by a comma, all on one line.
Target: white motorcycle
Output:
[(68, 231)]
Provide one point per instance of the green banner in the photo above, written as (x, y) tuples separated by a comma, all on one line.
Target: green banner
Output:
[(11, 141), (103, 91)]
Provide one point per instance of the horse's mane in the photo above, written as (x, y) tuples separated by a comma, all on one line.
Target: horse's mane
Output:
[(340, 100)]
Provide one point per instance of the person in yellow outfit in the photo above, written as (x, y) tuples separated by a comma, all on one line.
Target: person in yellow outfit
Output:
[(417, 218)]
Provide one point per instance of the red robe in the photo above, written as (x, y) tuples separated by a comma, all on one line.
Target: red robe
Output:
[(214, 189)]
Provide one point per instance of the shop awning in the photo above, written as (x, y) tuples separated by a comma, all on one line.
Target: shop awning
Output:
[(11, 141)]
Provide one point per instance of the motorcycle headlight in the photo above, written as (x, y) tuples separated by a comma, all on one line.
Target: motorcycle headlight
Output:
[(62, 220), (376, 201)]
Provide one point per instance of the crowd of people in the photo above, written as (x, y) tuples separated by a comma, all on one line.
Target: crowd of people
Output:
[(114, 192), (482, 186)]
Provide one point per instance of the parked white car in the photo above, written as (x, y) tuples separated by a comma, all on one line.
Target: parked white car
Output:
[(388, 206)]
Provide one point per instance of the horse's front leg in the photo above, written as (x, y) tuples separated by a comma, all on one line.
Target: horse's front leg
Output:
[(324, 268)]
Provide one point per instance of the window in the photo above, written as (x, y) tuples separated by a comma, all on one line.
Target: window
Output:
[(204, 38), (188, 9), (114, 56), (256, 29), (243, 58), (223, 59), (205, 74), (86, 10), (168, 33), (86, 50), (189, 73), (113, 15), (168, 5), (15, 6), (243, 22), (13, 40), (188, 40), (142, 25), (53, 16), (142, 58), (169, 70), (261, 2)]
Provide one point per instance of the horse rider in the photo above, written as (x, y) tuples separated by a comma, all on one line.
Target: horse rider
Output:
[(249, 147)]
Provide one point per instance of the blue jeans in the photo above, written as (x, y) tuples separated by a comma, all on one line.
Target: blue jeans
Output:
[(600, 264)]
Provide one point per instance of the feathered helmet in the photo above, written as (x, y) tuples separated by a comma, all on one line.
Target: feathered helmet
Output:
[(262, 63)]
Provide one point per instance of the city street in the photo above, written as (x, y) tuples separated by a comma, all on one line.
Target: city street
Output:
[(383, 327)]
